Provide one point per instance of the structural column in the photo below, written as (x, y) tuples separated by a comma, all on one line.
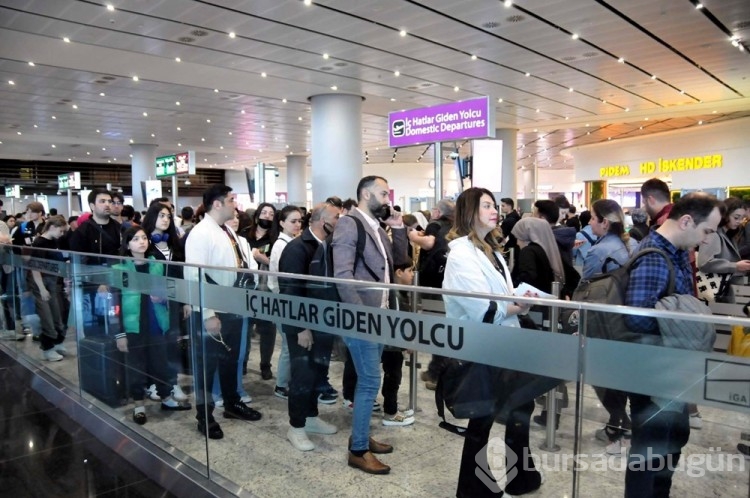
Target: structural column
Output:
[(296, 180), (143, 168), (508, 173), (336, 145)]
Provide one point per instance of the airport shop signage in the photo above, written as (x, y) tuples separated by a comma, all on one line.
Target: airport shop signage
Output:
[(13, 191), (69, 181), (182, 163), (663, 165), (442, 123)]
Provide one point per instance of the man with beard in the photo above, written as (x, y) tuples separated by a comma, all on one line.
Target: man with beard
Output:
[(655, 200), (375, 265)]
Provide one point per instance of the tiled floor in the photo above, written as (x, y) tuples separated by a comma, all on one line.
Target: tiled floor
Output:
[(257, 455)]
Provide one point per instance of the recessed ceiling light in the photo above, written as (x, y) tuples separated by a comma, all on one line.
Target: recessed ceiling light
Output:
[(179, 144), (31, 64), (574, 36), (325, 56), (232, 34), (230, 132), (54, 117), (473, 57), (131, 140), (299, 118), (216, 90), (203, 139), (627, 109), (263, 75), (402, 32), (566, 118), (75, 106), (153, 135), (307, 2), (587, 125), (286, 146), (35, 126), (177, 103), (11, 82), (653, 76), (208, 121), (621, 60), (527, 74), (713, 112), (177, 59), (145, 114), (221, 147), (508, 3), (393, 100), (88, 153), (54, 146), (101, 94), (499, 101), (699, 6), (282, 100), (537, 110), (700, 122), (604, 101), (455, 89), (396, 73), (110, 7), (645, 119), (104, 148), (135, 78), (98, 131), (682, 92), (69, 159), (66, 39), (334, 87), (179, 128)]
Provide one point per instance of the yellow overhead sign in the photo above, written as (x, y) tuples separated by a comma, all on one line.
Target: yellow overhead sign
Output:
[(664, 165)]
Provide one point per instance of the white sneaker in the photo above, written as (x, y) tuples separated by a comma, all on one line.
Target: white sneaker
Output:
[(61, 349), (246, 399), (298, 438), (219, 403), (52, 355), (397, 419), (696, 422), (314, 425), (178, 394), (408, 413), (151, 393)]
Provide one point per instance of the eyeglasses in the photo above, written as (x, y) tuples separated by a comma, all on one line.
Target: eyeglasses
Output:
[(117, 203)]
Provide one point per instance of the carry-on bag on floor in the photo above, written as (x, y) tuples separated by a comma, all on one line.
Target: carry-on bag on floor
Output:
[(102, 369)]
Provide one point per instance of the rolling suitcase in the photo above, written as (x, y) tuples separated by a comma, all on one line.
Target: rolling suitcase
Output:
[(102, 369)]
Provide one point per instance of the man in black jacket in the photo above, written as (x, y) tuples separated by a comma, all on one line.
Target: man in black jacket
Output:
[(309, 350), (99, 235)]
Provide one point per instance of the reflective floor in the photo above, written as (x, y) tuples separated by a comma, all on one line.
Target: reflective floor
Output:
[(257, 456), (45, 454)]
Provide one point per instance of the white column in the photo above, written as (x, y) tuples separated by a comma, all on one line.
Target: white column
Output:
[(143, 168), (508, 173), (296, 180), (336, 145)]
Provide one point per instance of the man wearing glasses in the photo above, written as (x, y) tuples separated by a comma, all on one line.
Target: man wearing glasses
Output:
[(115, 211)]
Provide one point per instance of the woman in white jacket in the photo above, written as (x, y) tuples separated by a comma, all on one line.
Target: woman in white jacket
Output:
[(476, 265)]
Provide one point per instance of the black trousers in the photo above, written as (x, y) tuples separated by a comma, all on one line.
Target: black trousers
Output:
[(475, 478), (147, 355), (349, 378), (308, 369), (393, 365), (615, 402), (267, 332), (210, 356)]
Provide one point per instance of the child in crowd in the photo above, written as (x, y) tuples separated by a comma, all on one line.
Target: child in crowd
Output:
[(393, 358)]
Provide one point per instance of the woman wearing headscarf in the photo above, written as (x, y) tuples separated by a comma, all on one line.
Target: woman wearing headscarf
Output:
[(539, 262)]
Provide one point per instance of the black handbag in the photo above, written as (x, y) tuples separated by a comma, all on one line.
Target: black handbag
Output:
[(466, 388)]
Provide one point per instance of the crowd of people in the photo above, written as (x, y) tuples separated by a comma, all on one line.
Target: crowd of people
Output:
[(471, 243)]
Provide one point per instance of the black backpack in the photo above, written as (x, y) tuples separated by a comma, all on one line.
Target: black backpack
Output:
[(432, 263), (610, 288), (321, 265)]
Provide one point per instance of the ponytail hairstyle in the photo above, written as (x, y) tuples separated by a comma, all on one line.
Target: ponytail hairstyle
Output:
[(607, 209)]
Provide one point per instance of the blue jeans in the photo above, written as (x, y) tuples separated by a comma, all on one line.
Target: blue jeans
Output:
[(366, 357), (283, 368)]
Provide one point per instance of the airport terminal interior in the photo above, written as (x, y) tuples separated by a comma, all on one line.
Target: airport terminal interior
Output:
[(292, 102)]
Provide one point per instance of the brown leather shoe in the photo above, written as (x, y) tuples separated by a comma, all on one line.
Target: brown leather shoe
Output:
[(376, 447), (368, 463)]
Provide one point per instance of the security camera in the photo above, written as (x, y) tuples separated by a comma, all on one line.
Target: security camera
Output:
[(453, 155)]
